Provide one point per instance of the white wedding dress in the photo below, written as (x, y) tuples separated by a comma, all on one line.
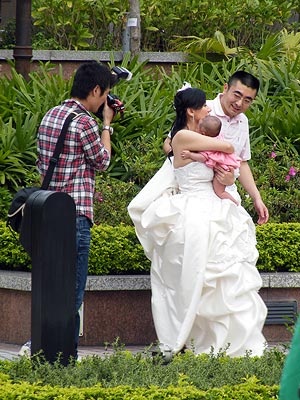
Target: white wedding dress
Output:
[(203, 254)]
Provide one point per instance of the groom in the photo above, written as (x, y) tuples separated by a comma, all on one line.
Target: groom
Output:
[(230, 107)]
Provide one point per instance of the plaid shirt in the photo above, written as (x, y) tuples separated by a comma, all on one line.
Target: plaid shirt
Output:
[(82, 154)]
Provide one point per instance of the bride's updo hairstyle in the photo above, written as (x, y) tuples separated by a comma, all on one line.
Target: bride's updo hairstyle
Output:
[(186, 98)]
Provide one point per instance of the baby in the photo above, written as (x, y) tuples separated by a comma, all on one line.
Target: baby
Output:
[(211, 126)]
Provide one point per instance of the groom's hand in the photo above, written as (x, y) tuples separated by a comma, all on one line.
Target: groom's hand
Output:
[(224, 177)]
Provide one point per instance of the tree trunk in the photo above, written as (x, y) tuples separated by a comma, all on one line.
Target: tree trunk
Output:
[(134, 25)]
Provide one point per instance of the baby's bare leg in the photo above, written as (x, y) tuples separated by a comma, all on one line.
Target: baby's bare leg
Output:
[(221, 192), (192, 155)]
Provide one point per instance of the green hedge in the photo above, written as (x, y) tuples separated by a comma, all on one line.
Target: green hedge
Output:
[(116, 249), (278, 246), (248, 390)]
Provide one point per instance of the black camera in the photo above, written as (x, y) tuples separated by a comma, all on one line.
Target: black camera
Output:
[(116, 104), (113, 101)]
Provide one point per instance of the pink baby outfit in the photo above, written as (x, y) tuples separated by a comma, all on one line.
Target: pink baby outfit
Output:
[(225, 160)]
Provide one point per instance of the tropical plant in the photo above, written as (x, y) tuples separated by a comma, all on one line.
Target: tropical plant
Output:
[(22, 108), (205, 47), (275, 112), (17, 155), (250, 22), (137, 142), (146, 120), (45, 89), (79, 24), (8, 36), (101, 24)]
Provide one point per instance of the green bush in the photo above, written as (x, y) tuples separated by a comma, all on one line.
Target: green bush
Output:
[(274, 116), (276, 170), (12, 254), (212, 373), (111, 199), (78, 24), (100, 24), (116, 249), (6, 197), (278, 246), (246, 390)]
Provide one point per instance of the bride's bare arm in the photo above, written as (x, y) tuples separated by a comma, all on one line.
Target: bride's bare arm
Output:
[(193, 141)]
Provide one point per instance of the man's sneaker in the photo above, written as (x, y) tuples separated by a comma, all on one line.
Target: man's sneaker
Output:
[(26, 349)]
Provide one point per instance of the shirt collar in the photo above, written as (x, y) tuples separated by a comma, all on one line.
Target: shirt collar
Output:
[(77, 104)]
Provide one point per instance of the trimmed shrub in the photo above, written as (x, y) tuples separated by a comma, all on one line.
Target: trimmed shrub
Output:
[(12, 254), (278, 246), (246, 390), (116, 249)]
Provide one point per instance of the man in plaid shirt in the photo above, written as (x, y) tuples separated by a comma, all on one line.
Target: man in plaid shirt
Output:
[(85, 151)]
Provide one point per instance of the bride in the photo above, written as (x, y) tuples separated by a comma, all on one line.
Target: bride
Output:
[(202, 249)]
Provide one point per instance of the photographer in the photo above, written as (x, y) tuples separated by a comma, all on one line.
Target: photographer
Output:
[(87, 148)]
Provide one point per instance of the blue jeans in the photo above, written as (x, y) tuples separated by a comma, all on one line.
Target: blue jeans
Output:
[(83, 239)]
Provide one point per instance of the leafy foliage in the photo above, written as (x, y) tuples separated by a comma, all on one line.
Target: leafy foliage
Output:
[(22, 106), (139, 135), (278, 245), (116, 250), (17, 149), (137, 141), (101, 24), (202, 372), (12, 255), (44, 89), (78, 24), (276, 171), (250, 389), (111, 199), (249, 24)]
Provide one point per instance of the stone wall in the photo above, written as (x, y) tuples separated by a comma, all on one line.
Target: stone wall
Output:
[(120, 306), (70, 60)]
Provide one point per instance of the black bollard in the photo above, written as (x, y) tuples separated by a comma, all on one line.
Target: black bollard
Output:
[(48, 234)]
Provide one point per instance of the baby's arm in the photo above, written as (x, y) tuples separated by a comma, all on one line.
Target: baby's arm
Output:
[(192, 155)]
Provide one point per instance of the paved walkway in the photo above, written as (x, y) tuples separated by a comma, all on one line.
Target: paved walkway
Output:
[(11, 351)]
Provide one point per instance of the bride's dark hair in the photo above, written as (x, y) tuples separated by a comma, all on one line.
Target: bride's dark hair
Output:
[(184, 99)]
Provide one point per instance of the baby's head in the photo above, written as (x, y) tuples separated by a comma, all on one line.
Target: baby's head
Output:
[(210, 126)]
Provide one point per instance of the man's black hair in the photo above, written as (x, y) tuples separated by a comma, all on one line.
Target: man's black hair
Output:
[(245, 78), (88, 76)]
